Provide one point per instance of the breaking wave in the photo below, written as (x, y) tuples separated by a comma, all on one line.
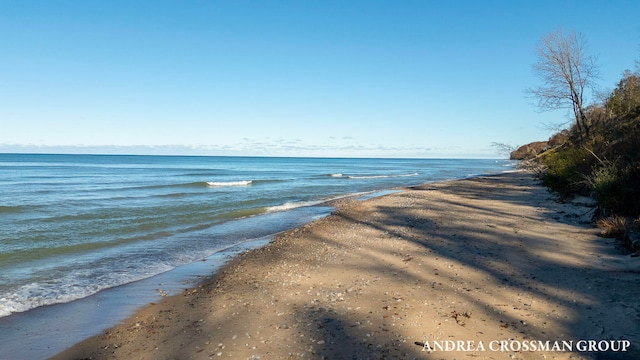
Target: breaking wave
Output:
[(229, 183), (292, 205)]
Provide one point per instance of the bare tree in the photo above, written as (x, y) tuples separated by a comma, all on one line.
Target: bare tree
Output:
[(566, 72)]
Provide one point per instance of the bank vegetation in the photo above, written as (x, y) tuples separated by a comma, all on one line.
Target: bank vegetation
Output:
[(598, 155)]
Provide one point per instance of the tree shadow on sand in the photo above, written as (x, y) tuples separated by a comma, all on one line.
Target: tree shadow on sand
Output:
[(554, 262)]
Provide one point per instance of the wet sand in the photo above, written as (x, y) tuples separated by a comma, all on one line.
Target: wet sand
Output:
[(494, 262)]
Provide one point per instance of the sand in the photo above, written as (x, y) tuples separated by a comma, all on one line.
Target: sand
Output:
[(484, 265)]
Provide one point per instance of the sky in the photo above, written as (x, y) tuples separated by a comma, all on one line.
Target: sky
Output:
[(415, 79)]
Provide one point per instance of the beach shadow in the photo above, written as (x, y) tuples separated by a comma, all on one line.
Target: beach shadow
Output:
[(342, 340), (522, 256)]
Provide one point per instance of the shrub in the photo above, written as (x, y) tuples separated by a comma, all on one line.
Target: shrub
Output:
[(605, 183), (616, 189), (566, 169)]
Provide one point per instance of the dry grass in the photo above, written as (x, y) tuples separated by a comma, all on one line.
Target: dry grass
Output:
[(614, 226)]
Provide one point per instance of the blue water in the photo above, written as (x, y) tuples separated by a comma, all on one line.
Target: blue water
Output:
[(73, 225)]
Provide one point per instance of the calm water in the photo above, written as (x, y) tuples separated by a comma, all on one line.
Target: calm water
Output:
[(72, 225)]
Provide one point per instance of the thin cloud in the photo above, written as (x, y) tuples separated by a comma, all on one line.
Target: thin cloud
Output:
[(252, 147)]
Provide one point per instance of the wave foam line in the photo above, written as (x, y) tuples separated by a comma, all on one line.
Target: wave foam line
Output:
[(293, 205), (69, 288), (229, 183)]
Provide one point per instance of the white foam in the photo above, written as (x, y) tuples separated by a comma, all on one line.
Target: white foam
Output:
[(229, 183), (76, 285), (292, 205), (336, 175)]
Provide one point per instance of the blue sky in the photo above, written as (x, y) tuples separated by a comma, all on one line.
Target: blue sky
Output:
[(289, 78)]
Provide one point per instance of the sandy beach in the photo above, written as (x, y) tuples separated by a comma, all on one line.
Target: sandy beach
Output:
[(487, 267)]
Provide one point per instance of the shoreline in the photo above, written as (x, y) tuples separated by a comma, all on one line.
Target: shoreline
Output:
[(46, 330), (477, 259), (38, 332)]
